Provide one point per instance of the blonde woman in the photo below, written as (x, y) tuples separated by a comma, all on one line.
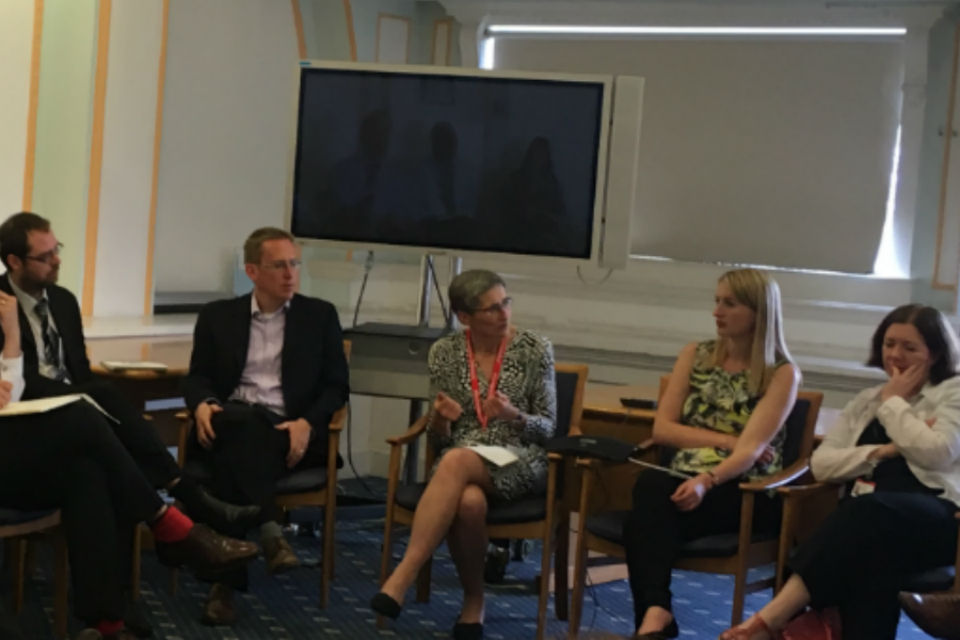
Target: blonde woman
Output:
[(722, 411)]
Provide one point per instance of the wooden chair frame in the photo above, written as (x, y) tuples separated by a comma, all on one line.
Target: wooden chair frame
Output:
[(17, 536), (325, 497), (553, 530), (749, 554)]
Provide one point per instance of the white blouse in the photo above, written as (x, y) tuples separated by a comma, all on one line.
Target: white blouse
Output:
[(11, 370), (932, 452)]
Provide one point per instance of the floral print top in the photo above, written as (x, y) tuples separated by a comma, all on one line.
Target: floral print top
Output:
[(720, 401)]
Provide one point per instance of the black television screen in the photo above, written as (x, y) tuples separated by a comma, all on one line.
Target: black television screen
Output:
[(472, 163)]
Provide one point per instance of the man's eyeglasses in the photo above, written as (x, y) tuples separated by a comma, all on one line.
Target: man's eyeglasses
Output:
[(495, 309), (280, 265), (47, 256)]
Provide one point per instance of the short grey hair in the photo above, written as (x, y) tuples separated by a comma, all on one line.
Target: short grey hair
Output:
[(466, 289)]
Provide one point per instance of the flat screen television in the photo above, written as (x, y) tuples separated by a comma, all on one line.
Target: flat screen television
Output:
[(440, 159)]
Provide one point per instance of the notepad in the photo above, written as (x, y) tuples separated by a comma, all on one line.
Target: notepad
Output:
[(132, 365), (43, 405), (666, 470), (499, 456)]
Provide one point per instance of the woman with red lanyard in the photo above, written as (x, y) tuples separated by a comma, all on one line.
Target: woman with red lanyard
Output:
[(495, 386)]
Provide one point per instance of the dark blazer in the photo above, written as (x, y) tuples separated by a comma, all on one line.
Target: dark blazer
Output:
[(66, 315), (314, 375)]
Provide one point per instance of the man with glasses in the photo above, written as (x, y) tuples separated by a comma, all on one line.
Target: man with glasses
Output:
[(267, 373), (55, 363)]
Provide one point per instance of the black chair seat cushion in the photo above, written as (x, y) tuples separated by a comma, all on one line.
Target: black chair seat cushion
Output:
[(609, 526), (297, 482), (10, 517), (523, 510)]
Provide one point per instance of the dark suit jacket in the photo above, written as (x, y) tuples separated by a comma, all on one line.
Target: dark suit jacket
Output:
[(314, 375), (66, 315)]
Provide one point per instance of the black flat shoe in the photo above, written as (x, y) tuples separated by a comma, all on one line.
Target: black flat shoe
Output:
[(386, 606), (468, 631), (668, 632)]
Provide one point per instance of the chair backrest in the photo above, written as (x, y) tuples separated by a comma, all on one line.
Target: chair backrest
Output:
[(571, 380), (800, 425)]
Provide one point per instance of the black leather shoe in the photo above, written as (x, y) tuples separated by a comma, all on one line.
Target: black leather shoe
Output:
[(468, 631), (386, 606), (221, 515), (206, 551), (669, 631), (938, 614)]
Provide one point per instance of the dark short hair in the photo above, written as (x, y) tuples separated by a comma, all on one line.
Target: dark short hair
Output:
[(937, 335), (253, 247), (14, 234), (466, 289)]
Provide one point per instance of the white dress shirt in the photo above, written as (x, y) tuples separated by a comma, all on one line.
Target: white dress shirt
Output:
[(11, 370), (931, 452), (29, 305), (260, 382)]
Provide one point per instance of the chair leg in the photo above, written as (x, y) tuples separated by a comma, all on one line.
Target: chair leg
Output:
[(135, 562), (326, 576), (561, 571), (174, 581), (545, 557), (423, 581), (18, 569), (60, 585)]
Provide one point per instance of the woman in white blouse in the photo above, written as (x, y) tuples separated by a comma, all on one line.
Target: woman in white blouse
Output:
[(897, 448)]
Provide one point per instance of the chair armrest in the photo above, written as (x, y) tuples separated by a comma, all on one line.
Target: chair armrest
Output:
[(784, 477), (810, 489), (183, 416), (411, 434), (339, 419)]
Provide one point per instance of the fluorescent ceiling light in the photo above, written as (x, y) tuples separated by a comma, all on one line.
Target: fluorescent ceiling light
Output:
[(560, 29)]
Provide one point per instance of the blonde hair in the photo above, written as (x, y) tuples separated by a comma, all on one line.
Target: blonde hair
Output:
[(760, 293)]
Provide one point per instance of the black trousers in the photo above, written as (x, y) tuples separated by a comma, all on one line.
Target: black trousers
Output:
[(655, 530), (138, 436), (247, 458), (71, 459), (859, 559)]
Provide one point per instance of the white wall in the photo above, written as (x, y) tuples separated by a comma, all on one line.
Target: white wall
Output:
[(228, 112), (16, 38), (127, 166)]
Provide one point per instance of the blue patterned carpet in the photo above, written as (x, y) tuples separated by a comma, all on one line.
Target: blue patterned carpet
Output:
[(285, 607)]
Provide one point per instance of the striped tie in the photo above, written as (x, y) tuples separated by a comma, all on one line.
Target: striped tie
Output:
[(51, 339)]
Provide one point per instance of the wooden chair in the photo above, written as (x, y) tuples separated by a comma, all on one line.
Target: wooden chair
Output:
[(315, 487), (812, 503), (16, 528), (541, 517), (601, 518)]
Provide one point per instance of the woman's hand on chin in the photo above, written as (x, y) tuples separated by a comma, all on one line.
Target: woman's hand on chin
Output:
[(5, 388), (904, 382)]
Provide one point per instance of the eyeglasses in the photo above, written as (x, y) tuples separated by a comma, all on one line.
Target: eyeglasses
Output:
[(496, 309), (48, 256), (280, 265)]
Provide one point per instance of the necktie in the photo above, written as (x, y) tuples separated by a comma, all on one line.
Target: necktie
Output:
[(51, 339)]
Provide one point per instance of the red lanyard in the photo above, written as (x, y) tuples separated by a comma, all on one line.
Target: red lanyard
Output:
[(475, 382)]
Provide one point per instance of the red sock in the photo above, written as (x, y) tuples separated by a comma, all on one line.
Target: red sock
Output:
[(109, 627), (172, 526)]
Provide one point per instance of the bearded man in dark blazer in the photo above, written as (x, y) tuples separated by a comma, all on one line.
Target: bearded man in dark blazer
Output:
[(55, 363), (267, 373)]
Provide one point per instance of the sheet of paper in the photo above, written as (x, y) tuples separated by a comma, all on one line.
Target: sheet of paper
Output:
[(666, 470), (43, 405), (499, 456)]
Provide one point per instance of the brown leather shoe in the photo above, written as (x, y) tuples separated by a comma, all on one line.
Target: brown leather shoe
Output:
[(279, 554), (219, 607), (938, 614), (206, 550)]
